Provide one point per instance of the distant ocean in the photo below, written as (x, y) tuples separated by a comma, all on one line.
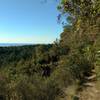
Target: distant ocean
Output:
[(13, 44)]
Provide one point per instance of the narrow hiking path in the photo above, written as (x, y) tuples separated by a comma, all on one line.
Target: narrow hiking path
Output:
[(91, 92)]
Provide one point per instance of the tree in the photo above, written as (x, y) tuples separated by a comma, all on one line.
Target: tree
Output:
[(81, 34)]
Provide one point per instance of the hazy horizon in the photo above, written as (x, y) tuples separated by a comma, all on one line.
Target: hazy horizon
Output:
[(20, 44)]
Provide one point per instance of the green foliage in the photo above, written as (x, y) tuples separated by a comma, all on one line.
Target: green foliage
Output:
[(28, 72), (81, 35)]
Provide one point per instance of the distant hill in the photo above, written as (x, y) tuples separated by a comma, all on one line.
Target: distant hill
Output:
[(14, 44)]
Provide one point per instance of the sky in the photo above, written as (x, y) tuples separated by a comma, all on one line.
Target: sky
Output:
[(29, 21)]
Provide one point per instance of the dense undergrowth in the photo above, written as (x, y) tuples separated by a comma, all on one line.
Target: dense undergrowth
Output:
[(32, 73)]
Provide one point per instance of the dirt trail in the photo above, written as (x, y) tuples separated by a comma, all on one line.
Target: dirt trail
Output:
[(90, 93)]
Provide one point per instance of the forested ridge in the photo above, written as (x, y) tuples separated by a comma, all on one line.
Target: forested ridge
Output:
[(68, 69)]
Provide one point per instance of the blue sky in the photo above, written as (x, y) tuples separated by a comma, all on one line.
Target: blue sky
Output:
[(28, 21)]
